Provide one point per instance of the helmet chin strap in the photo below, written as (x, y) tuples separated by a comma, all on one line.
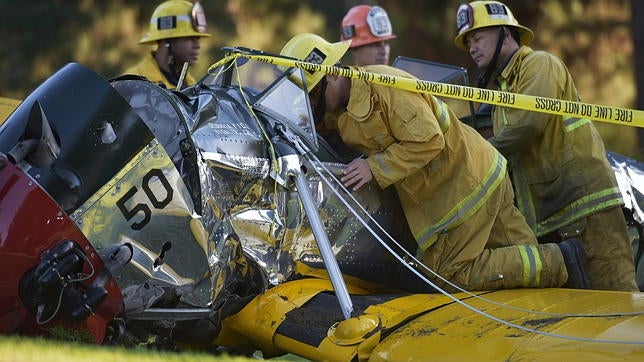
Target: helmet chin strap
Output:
[(171, 61), (485, 78)]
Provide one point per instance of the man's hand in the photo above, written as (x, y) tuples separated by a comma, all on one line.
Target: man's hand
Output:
[(356, 174)]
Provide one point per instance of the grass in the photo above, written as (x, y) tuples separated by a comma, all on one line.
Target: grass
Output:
[(23, 349), (28, 349)]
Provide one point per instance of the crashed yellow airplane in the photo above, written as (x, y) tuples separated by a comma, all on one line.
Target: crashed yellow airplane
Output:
[(211, 218)]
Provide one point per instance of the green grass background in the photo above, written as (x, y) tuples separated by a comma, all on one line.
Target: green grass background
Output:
[(23, 349), (27, 349)]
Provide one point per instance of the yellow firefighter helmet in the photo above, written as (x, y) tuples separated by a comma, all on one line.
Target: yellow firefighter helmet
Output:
[(176, 19), (313, 48), (481, 14)]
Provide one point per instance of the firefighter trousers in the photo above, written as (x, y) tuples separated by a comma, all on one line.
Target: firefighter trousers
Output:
[(610, 263), (495, 249)]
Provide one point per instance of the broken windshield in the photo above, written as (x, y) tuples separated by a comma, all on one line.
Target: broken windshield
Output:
[(274, 91)]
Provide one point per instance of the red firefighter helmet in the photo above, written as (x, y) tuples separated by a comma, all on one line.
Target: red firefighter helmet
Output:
[(366, 24)]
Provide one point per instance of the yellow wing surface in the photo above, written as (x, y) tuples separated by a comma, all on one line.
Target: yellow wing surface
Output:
[(303, 318), (7, 105)]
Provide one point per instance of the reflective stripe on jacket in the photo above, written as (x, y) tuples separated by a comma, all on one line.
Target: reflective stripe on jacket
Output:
[(443, 171), (558, 165)]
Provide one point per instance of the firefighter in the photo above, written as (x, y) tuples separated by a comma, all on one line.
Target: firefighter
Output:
[(451, 182), (563, 182), (369, 29), (176, 28)]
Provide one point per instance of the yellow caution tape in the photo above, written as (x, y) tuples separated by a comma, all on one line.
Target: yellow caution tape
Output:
[(615, 115)]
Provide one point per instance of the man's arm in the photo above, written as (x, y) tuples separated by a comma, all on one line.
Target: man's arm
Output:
[(418, 136), (540, 76)]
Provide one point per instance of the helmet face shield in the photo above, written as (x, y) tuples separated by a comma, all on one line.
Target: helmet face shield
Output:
[(199, 22), (378, 22), (464, 18)]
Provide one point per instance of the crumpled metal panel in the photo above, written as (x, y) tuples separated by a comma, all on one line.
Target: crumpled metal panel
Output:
[(357, 251), (274, 231), (166, 117), (233, 132), (630, 178), (154, 209), (248, 199), (251, 231)]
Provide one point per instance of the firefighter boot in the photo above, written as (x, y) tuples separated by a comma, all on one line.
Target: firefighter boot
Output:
[(574, 257)]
